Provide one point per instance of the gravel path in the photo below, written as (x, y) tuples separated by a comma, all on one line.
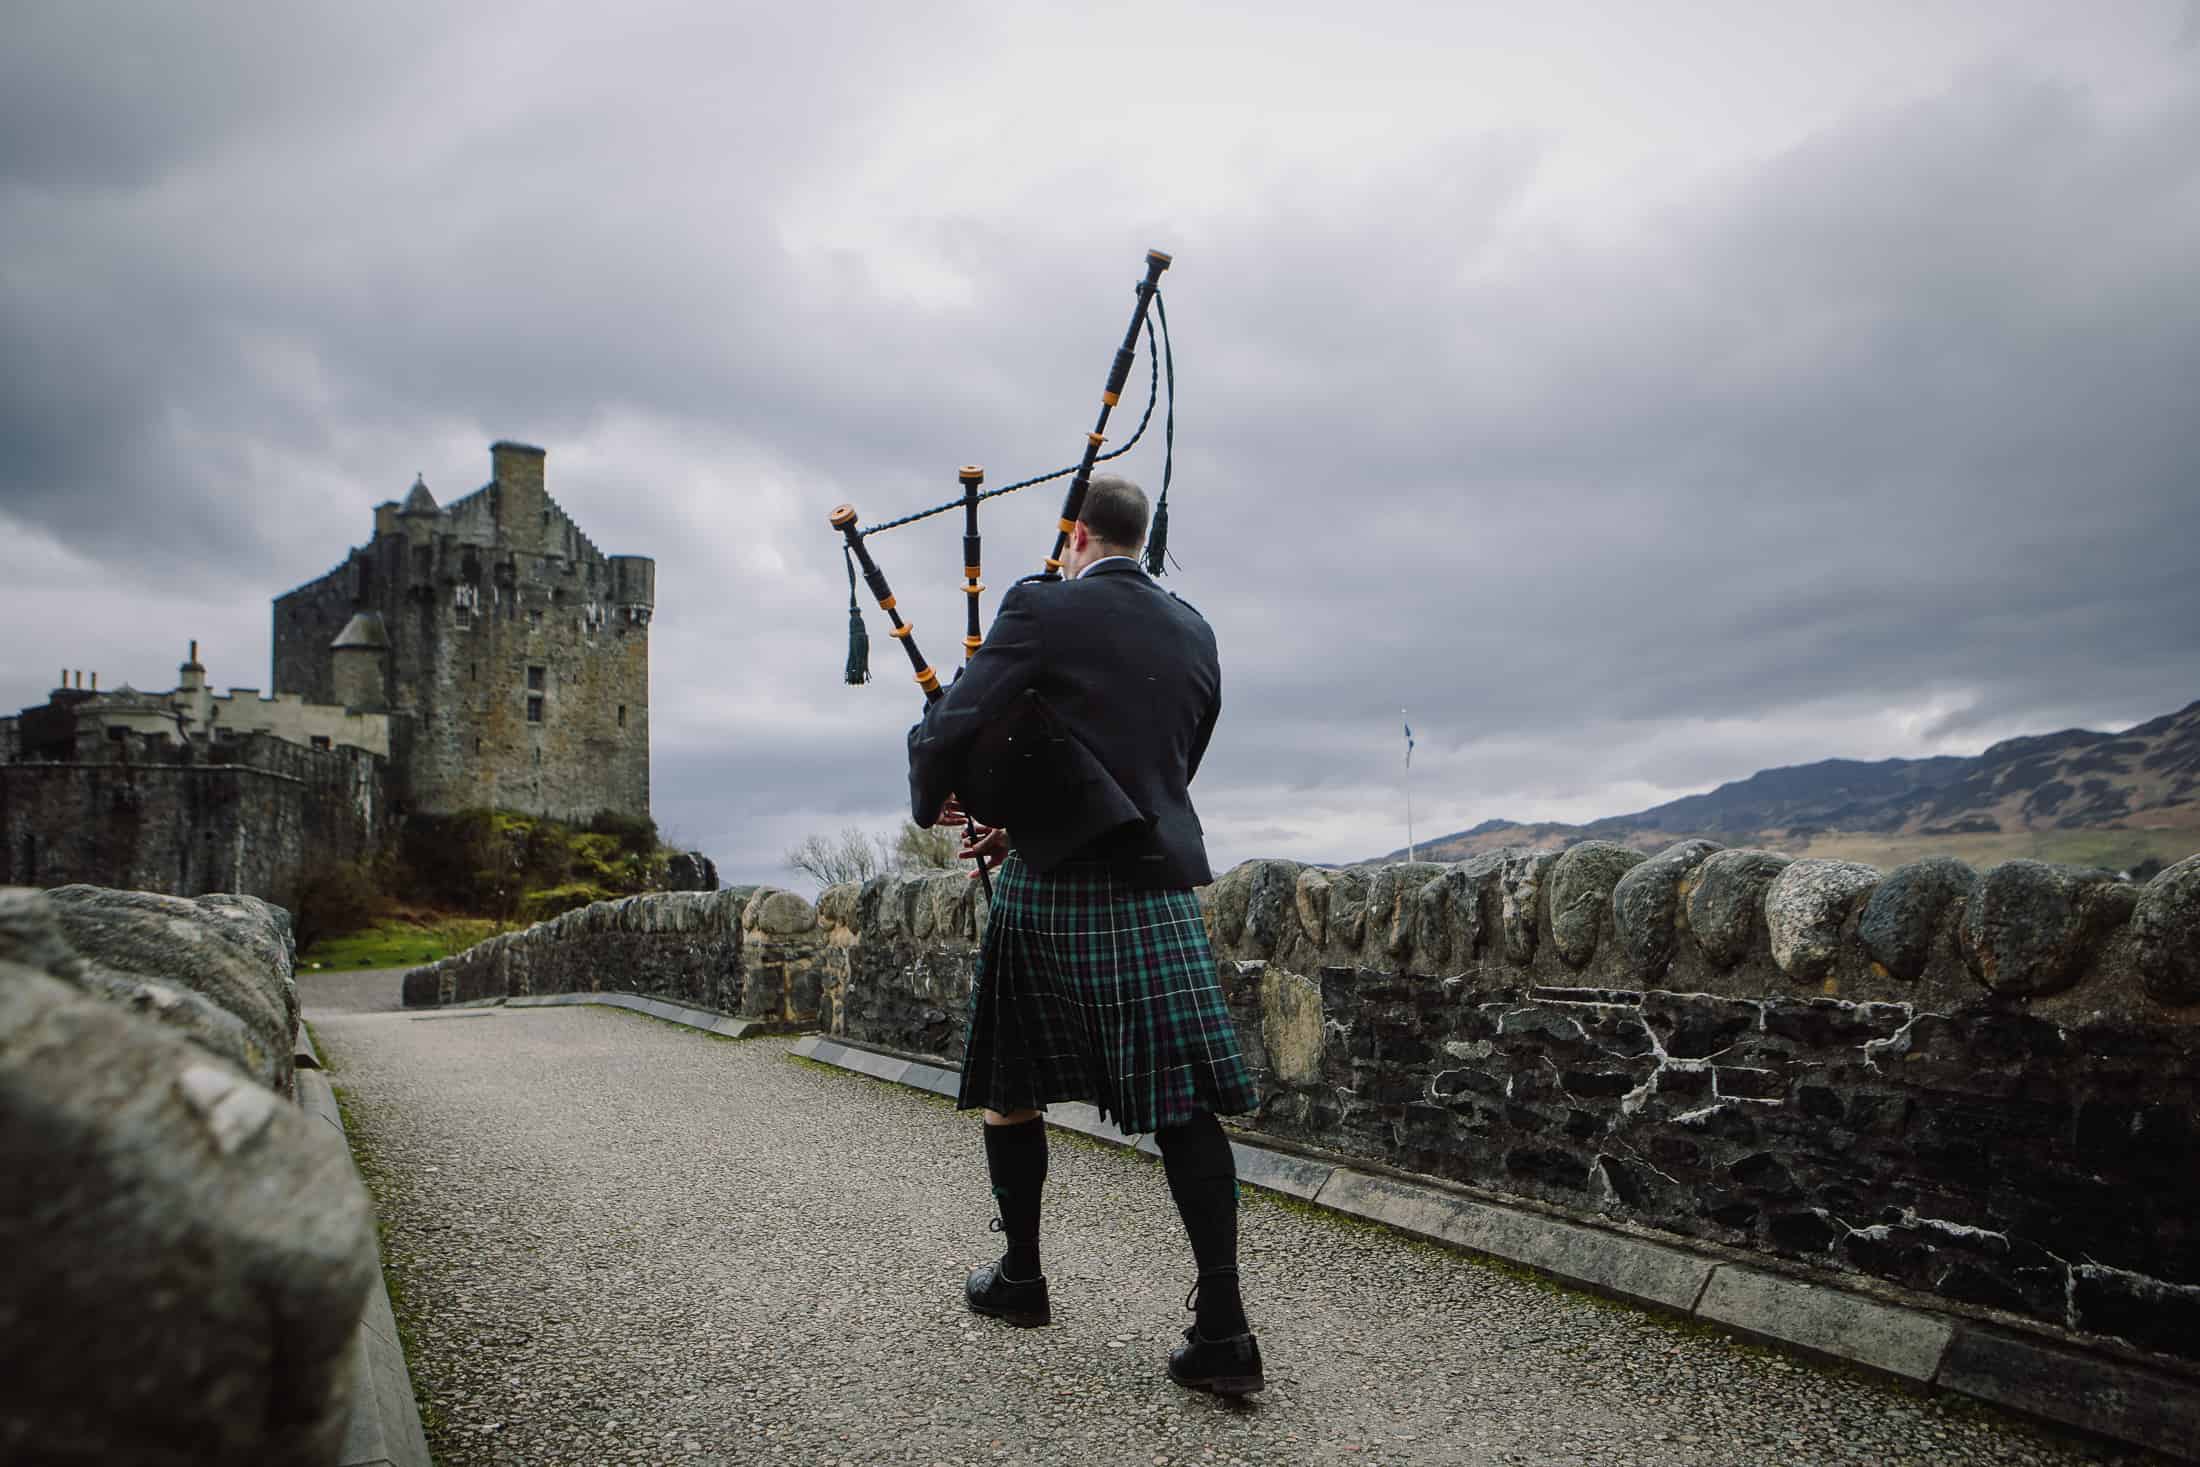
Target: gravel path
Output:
[(614, 1240)]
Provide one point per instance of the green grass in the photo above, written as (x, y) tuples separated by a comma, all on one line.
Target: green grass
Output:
[(2117, 850), (401, 942)]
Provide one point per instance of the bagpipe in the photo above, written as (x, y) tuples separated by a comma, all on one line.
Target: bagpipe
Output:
[(857, 551)]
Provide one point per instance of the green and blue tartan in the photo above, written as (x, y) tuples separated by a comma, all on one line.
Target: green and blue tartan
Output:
[(1089, 989)]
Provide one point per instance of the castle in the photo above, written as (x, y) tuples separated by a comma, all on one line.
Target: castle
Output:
[(509, 653), (483, 654)]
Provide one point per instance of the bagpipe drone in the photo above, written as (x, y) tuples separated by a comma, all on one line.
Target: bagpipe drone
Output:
[(857, 551)]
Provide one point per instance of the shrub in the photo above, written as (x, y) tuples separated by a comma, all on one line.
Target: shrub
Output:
[(637, 834), (336, 897), (541, 906)]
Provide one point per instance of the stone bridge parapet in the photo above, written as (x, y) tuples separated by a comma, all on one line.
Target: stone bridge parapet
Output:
[(1981, 1086), (756, 953)]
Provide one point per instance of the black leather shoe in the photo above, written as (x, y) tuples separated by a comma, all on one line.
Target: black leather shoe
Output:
[(1021, 1302), (1228, 1367)]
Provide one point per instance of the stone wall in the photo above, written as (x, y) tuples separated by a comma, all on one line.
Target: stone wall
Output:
[(246, 817), (184, 1255), (684, 946), (1982, 1086), (749, 952)]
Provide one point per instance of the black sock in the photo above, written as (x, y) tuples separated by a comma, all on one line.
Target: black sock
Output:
[(1203, 1180), (1016, 1157)]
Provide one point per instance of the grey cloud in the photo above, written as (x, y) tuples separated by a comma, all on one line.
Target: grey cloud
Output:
[(1891, 415)]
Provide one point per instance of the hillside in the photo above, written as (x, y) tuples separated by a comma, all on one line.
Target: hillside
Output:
[(2048, 787)]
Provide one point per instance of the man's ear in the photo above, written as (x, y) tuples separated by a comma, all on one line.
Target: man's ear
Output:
[(1079, 536)]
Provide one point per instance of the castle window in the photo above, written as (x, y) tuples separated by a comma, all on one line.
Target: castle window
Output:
[(534, 710), (477, 746), (622, 715), (116, 732), (320, 741), (534, 679)]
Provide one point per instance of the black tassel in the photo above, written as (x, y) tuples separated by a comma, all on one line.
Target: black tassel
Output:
[(1157, 540), (859, 650), (859, 639)]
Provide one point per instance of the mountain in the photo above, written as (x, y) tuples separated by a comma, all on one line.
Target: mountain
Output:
[(2144, 778)]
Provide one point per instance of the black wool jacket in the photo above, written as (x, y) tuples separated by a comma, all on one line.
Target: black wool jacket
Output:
[(1079, 726)]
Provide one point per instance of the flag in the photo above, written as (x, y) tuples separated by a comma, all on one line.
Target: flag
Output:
[(1409, 739)]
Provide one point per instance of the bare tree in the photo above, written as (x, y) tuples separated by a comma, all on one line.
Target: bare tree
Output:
[(920, 849), (854, 855), (831, 860)]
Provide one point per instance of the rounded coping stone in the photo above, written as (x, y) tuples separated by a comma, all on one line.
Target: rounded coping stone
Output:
[(2166, 924), (1449, 915), (1646, 905), (1310, 894), (30, 935), (777, 913), (1521, 881), (1271, 905), (1348, 906), (1233, 894), (1903, 915), (1391, 909), (2028, 926), (837, 904), (1582, 883), (1726, 901), (1805, 908)]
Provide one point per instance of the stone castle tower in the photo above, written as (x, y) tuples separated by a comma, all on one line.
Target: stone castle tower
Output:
[(511, 654)]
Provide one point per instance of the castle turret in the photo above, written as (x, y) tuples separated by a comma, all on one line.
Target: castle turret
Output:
[(362, 664), (634, 587), (420, 512)]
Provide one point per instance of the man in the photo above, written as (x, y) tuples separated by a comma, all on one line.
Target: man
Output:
[(1078, 726)]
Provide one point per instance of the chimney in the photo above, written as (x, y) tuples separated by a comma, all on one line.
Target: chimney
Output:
[(191, 677), (520, 499), (95, 680)]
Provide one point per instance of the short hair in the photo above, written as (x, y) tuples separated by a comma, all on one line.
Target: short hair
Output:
[(1115, 512)]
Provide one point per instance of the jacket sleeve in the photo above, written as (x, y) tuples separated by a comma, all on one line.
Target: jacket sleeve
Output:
[(1007, 664), (1206, 729)]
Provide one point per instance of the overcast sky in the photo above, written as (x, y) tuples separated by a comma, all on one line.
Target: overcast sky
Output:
[(1637, 395)]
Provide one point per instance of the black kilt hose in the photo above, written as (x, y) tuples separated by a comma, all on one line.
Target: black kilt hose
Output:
[(1089, 989)]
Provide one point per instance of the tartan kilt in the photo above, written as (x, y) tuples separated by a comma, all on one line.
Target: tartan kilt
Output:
[(1089, 989)]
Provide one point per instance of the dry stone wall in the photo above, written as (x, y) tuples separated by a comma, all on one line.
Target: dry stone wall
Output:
[(1980, 1085)]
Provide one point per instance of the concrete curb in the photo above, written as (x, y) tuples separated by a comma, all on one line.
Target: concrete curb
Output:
[(708, 1020), (303, 1055), (385, 1428), (2033, 1374)]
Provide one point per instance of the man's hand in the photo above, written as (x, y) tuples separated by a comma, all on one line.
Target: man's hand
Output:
[(985, 844), (951, 813)]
